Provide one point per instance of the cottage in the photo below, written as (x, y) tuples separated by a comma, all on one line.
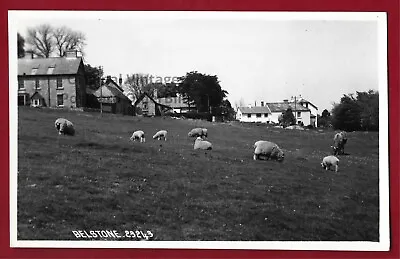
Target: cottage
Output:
[(313, 110), (145, 105), (52, 82), (112, 99), (178, 104), (254, 114), (270, 112)]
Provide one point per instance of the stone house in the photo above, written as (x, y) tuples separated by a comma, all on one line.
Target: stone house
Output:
[(52, 82)]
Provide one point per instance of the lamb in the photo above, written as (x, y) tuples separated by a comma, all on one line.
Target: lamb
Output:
[(329, 161), (161, 134), (199, 143), (198, 132), (269, 150), (64, 126), (139, 134)]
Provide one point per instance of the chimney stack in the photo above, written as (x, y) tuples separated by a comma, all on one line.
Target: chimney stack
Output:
[(120, 80), (155, 94), (72, 53), (286, 101), (262, 103), (255, 103)]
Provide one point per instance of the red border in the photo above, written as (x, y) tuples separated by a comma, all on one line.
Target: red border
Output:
[(389, 6)]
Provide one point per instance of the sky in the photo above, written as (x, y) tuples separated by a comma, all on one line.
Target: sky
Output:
[(255, 59)]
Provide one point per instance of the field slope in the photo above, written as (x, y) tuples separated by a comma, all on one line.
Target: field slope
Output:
[(99, 180)]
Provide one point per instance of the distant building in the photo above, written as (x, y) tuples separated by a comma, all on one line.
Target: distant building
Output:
[(177, 104), (270, 112), (52, 82), (112, 98), (147, 106)]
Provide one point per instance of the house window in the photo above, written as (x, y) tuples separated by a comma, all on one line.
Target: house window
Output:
[(60, 100), (145, 107), (21, 84), (266, 115), (258, 115), (298, 114), (34, 71), (36, 102), (50, 70), (59, 83), (21, 100), (249, 115), (37, 84)]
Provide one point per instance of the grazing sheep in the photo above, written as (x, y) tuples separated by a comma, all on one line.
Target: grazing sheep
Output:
[(64, 126), (329, 161), (339, 141), (139, 134), (269, 150), (199, 143), (198, 132), (161, 134)]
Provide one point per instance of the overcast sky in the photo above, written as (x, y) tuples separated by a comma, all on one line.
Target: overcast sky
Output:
[(254, 59)]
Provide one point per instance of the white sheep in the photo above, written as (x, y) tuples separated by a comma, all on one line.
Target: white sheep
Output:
[(269, 150), (329, 161), (139, 134), (198, 132), (161, 134), (199, 143), (64, 126)]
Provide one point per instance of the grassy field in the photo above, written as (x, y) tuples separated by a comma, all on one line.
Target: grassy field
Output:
[(99, 180)]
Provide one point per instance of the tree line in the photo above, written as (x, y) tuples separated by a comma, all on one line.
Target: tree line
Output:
[(355, 112)]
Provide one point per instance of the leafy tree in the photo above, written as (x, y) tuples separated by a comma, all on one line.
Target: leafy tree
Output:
[(21, 45), (325, 119), (369, 104), (287, 118), (346, 115), (93, 76), (204, 90), (46, 40)]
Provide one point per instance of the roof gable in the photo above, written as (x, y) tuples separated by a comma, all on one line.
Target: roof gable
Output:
[(49, 66), (151, 99)]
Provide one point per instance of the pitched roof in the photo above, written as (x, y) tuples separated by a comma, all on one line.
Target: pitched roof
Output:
[(283, 106), (109, 90), (256, 109), (48, 66), (145, 94), (174, 102), (37, 95), (302, 100)]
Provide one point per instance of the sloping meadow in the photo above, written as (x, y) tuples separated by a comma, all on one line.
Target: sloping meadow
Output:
[(99, 180)]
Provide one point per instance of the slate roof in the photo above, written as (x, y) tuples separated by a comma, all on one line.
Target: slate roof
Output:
[(256, 109), (62, 66), (302, 100), (145, 94), (283, 106), (174, 102), (109, 90)]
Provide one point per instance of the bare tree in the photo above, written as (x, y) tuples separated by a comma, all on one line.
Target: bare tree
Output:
[(136, 83), (45, 39), (66, 39), (41, 40), (239, 103)]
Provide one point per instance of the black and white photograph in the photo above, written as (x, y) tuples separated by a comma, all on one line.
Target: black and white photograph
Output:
[(253, 130)]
